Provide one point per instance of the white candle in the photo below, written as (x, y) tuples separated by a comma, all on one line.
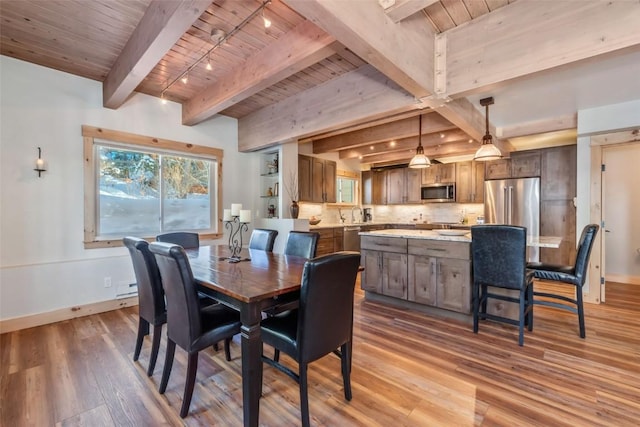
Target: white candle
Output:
[(40, 164), (227, 215), (245, 215), (235, 209)]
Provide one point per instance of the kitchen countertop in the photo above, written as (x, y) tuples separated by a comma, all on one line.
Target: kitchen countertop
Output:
[(356, 224), (541, 241)]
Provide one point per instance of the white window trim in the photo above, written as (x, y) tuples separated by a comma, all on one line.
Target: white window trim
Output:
[(91, 134)]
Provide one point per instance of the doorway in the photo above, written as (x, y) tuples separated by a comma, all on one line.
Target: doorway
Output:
[(601, 185), (621, 208)]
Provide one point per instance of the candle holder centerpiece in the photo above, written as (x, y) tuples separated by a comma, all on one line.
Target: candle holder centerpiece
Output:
[(236, 220)]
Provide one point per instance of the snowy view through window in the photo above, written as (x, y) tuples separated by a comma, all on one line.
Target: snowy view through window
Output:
[(148, 193)]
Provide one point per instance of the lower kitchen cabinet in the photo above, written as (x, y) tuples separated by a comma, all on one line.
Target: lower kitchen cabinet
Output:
[(385, 265), (331, 240), (440, 274), (431, 272)]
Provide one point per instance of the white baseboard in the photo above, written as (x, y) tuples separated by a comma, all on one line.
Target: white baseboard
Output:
[(619, 278), (24, 322)]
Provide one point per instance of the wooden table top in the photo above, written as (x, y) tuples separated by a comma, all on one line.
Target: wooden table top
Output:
[(265, 275)]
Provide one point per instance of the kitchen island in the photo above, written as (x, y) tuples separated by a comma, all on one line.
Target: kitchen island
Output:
[(424, 269)]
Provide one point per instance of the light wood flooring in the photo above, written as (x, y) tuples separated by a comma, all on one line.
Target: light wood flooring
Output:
[(409, 369)]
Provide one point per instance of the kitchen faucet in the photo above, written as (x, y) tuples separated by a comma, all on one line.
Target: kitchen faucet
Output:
[(342, 218), (353, 218)]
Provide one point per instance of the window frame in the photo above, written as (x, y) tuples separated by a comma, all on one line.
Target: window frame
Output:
[(355, 176), (164, 146)]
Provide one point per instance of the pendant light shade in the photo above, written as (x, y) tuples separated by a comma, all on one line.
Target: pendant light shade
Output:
[(487, 151), (419, 160)]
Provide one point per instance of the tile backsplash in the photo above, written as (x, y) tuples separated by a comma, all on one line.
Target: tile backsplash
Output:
[(405, 214)]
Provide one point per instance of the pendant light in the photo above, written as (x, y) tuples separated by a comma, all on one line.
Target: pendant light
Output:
[(419, 160), (487, 151)]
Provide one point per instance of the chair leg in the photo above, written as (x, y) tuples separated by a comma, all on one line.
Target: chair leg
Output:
[(157, 333), (143, 329), (304, 395), (192, 368), (530, 307), (521, 318), (580, 311), (345, 351), (483, 292), (276, 355), (476, 307), (227, 351), (168, 363), (215, 347)]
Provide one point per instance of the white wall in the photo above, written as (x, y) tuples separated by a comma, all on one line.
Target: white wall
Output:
[(43, 263)]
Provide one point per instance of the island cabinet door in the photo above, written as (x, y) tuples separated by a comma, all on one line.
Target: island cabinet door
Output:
[(371, 278), (422, 279), (394, 275), (454, 285)]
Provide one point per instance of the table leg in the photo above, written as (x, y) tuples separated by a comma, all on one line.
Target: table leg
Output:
[(251, 364)]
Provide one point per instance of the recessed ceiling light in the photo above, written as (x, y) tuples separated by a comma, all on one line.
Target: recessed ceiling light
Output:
[(371, 147), (392, 144)]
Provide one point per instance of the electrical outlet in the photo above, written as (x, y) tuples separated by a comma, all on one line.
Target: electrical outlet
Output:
[(107, 282)]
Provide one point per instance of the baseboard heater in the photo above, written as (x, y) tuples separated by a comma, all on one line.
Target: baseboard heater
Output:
[(127, 290)]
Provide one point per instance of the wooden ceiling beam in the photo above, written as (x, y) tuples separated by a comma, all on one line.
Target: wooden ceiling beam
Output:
[(360, 95), (402, 51), (526, 37), (382, 133), (404, 144), (162, 25), (539, 126), (402, 9), (303, 46), (437, 152)]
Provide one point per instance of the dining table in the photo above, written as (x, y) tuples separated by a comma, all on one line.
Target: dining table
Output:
[(259, 281)]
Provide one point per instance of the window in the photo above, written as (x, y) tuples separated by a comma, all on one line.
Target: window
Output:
[(347, 186), (144, 186)]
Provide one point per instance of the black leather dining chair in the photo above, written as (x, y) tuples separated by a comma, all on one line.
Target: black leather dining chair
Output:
[(151, 304), (263, 239), (572, 275), (185, 239), (189, 326), (302, 243), (322, 323), (499, 258)]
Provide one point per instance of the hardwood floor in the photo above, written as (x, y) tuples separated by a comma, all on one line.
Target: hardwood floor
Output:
[(409, 369)]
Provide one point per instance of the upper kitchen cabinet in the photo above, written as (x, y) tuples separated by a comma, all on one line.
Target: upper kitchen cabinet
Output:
[(379, 187), (403, 186), (523, 164), (439, 173), (470, 182), (317, 179)]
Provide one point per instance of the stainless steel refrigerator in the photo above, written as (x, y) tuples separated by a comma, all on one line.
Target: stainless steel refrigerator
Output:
[(515, 202)]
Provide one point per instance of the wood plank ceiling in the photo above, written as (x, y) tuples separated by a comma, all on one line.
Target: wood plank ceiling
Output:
[(88, 38)]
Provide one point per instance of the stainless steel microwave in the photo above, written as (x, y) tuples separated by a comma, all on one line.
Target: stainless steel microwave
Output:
[(438, 193)]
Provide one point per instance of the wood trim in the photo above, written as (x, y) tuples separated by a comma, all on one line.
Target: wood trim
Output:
[(620, 137), (596, 293), (162, 25), (24, 322), (150, 141), (114, 243), (347, 174), (89, 191)]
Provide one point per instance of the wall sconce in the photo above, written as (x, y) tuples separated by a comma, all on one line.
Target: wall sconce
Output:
[(39, 163)]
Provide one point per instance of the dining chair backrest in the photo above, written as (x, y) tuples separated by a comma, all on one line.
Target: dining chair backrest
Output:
[(325, 315), (263, 239), (302, 243), (183, 238), (499, 255), (584, 252), (183, 309), (151, 303)]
